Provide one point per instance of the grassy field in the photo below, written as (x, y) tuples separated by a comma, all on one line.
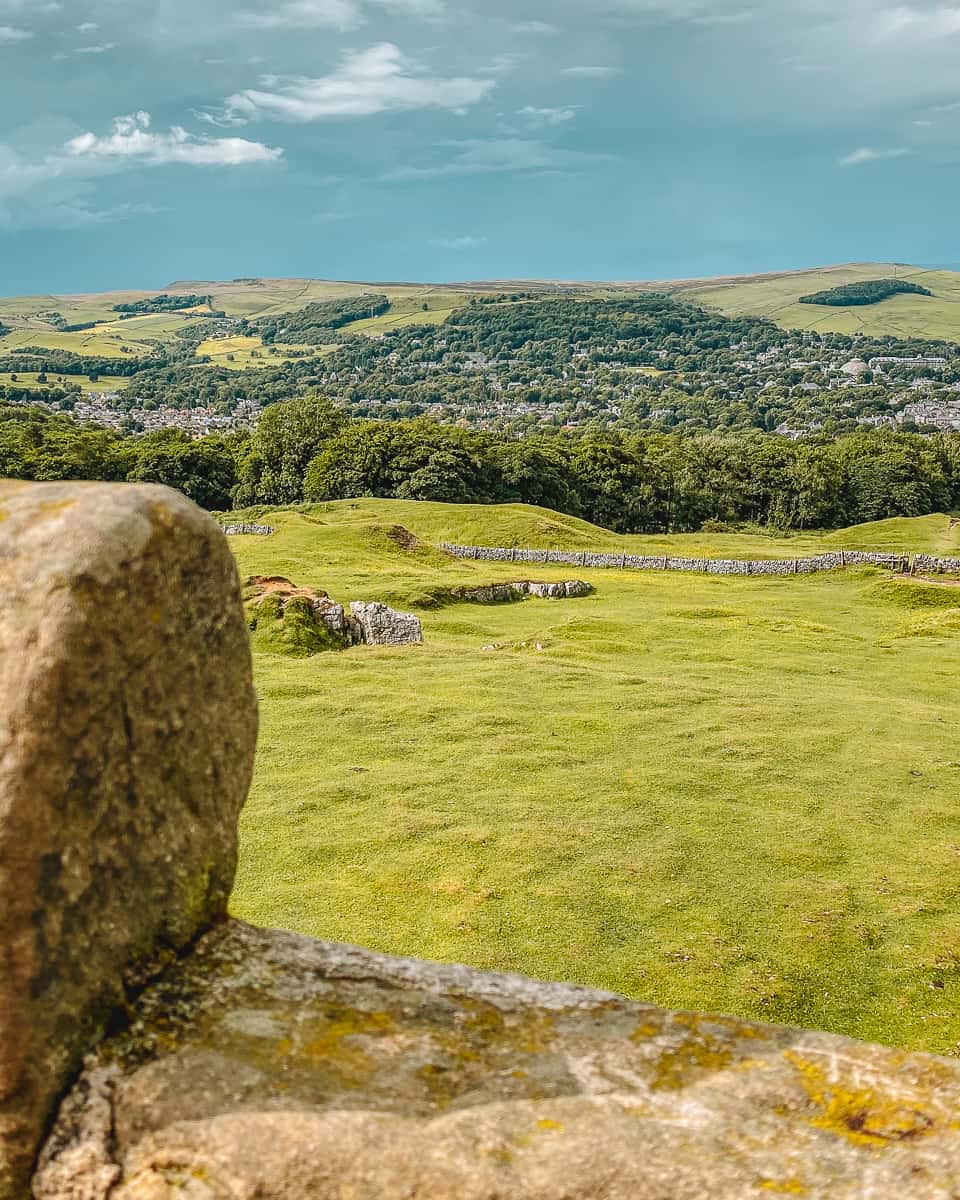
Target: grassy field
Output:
[(731, 794), (908, 316), (244, 353), (106, 383)]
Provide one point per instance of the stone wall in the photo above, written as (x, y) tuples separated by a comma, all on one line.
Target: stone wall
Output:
[(926, 564), (831, 561), (257, 530)]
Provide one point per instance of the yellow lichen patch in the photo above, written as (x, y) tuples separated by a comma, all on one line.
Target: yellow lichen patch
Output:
[(784, 1187), (679, 1065), (644, 1032), (862, 1115), (547, 1125)]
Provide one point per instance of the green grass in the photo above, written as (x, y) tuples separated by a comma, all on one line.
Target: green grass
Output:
[(726, 794), (237, 353), (777, 297), (106, 383)]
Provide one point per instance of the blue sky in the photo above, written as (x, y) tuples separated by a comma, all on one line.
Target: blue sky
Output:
[(143, 141)]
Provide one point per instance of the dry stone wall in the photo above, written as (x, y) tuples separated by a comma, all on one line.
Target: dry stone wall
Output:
[(832, 561), (257, 530), (925, 563)]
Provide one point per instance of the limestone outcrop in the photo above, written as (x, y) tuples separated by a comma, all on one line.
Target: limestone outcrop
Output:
[(501, 593), (381, 625), (197, 1058), (302, 621), (298, 621), (127, 734)]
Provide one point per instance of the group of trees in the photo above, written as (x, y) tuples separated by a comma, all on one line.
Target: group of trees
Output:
[(36, 444), (316, 323), (870, 291), (307, 449), (164, 303)]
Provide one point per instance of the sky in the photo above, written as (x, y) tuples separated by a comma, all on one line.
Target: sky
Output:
[(145, 141)]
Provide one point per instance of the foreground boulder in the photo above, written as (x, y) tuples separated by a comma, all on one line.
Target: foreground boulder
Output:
[(126, 743), (273, 1067), (196, 1058)]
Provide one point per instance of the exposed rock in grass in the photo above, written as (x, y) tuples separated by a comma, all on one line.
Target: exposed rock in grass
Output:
[(503, 593), (299, 621), (384, 626)]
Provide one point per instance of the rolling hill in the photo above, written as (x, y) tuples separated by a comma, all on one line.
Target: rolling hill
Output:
[(39, 320)]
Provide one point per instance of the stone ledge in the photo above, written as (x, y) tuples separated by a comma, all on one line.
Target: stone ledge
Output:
[(273, 1066)]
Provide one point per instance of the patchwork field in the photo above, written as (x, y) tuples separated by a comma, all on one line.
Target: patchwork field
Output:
[(735, 794), (775, 296)]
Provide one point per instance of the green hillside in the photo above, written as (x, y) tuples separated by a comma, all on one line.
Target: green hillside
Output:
[(735, 794), (777, 297)]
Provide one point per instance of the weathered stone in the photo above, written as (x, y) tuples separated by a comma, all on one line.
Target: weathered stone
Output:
[(502, 593), (273, 1067), (126, 743), (383, 626)]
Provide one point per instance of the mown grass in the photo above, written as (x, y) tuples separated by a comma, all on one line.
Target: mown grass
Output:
[(726, 794)]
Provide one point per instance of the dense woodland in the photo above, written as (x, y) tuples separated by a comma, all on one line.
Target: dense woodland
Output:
[(163, 304), (870, 291), (314, 324), (308, 449)]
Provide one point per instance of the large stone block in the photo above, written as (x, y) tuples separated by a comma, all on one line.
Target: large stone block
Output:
[(126, 744), (273, 1067)]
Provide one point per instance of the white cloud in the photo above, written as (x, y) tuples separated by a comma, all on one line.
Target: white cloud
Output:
[(540, 117), (534, 28), (132, 139), (336, 14), (415, 8), (915, 23), (381, 79), (587, 72), (303, 14), (865, 154), (8, 34), (103, 48), (498, 154), (88, 27)]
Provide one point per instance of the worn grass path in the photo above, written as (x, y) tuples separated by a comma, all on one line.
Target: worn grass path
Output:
[(731, 794)]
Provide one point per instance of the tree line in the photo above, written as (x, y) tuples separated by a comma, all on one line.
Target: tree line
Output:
[(308, 450)]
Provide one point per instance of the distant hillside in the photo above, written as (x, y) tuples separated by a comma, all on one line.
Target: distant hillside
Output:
[(778, 298)]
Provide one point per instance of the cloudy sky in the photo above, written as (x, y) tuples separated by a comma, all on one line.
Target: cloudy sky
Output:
[(147, 140)]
